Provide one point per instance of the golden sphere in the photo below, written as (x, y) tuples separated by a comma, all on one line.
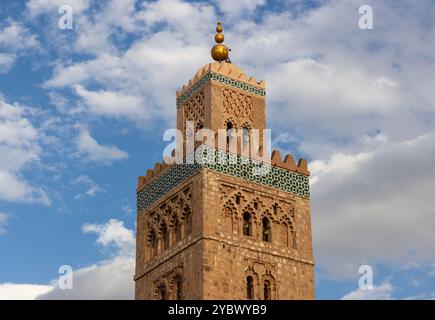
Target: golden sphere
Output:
[(219, 29), (219, 52), (219, 38)]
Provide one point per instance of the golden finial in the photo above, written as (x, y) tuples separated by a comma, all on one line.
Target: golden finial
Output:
[(219, 52)]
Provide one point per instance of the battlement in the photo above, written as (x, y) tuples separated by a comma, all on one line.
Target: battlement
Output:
[(288, 164), (152, 174), (225, 73)]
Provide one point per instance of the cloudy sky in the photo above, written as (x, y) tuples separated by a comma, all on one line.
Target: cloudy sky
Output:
[(83, 111)]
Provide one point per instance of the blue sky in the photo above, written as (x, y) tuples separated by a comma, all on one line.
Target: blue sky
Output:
[(83, 111)]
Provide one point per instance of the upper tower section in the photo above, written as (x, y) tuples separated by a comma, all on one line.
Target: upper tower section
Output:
[(221, 96)]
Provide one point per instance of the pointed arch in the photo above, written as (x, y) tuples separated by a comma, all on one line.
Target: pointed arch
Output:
[(152, 248), (268, 286), (266, 229), (250, 283), (247, 224), (161, 290), (229, 217)]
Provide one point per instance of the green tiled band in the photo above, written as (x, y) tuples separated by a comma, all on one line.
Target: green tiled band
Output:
[(165, 183), (221, 79), (227, 163), (255, 171)]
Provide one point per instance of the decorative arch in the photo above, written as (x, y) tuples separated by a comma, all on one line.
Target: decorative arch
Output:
[(266, 229), (161, 290), (247, 224), (230, 221), (246, 134), (238, 197), (186, 214), (268, 286), (232, 121), (152, 245), (176, 285), (163, 234), (250, 272), (276, 211), (251, 210), (257, 203)]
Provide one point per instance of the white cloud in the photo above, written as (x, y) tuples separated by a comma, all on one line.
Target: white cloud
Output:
[(176, 13), (14, 36), (106, 280), (121, 13), (234, 9), (15, 39), (13, 188), (6, 62), (19, 146), (381, 292), (95, 152), (308, 82), (375, 207), (92, 188), (3, 222), (141, 79), (113, 234), (113, 104), (14, 291)]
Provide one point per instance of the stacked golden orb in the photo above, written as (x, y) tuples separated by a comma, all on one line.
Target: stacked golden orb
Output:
[(219, 52)]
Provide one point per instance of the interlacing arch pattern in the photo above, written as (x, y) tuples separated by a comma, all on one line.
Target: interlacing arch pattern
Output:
[(266, 218), (169, 286), (168, 223), (260, 286)]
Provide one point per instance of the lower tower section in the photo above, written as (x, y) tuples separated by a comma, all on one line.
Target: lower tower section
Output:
[(257, 241), (227, 227)]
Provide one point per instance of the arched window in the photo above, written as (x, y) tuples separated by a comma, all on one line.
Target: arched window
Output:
[(163, 295), (188, 223), (267, 290), (249, 287), (230, 129), (177, 230), (165, 237), (245, 137), (154, 244), (247, 224), (267, 231), (178, 289)]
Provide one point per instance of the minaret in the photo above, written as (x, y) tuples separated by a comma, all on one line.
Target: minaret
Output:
[(219, 229)]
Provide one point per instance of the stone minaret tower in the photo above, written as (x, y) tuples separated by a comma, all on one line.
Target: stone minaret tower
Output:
[(220, 230)]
